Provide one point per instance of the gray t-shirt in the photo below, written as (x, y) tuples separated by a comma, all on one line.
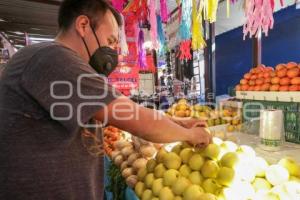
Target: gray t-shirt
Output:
[(42, 100)]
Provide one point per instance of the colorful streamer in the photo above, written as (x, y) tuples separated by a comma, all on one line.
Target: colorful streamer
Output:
[(198, 41), (142, 52), (153, 24), (210, 10), (185, 29), (161, 35), (118, 4), (164, 11), (123, 42), (259, 17)]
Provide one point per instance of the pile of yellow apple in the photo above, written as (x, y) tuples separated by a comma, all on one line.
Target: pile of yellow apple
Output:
[(221, 171)]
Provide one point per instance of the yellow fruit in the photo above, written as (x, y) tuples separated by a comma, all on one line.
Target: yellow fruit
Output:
[(196, 178), (230, 159), (235, 122), (182, 101), (141, 174), (198, 107), (166, 194), (207, 196), (210, 169), (261, 184), (170, 176), (178, 198), (180, 113), (276, 174), (185, 171), (196, 162), (159, 171), (151, 164), (160, 154), (139, 189), (176, 149), (212, 151), (225, 176), (157, 186), (192, 192), (149, 180), (180, 185), (172, 160), (147, 195), (186, 154), (291, 165), (261, 166), (211, 186), (230, 128)]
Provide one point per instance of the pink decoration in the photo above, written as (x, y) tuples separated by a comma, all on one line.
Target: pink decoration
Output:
[(153, 23), (163, 11), (185, 50), (142, 52), (118, 4), (259, 14)]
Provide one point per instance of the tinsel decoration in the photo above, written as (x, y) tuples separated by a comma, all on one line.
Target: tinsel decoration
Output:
[(123, 42), (185, 29), (198, 41), (118, 4), (164, 11), (210, 10), (259, 17), (161, 35), (142, 52), (153, 24)]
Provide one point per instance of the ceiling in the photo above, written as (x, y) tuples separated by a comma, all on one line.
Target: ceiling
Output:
[(37, 18)]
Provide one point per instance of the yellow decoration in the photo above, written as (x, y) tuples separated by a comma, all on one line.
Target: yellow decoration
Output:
[(198, 41), (210, 10), (228, 8)]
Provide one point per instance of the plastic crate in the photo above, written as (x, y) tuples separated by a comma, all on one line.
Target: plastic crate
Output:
[(291, 116)]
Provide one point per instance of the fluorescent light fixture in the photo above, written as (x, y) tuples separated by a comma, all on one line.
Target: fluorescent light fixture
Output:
[(19, 46), (2, 20), (37, 29), (40, 39), (18, 33)]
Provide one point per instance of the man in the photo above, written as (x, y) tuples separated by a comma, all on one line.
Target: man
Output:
[(49, 92)]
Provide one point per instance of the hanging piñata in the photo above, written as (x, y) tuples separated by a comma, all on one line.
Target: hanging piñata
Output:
[(210, 10), (142, 52), (185, 30), (161, 35), (164, 11), (118, 4), (259, 17), (153, 24), (123, 42), (198, 41)]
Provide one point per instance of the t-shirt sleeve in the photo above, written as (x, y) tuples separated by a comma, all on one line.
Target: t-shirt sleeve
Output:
[(66, 87)]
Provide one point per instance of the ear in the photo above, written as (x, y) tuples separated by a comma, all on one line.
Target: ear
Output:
[(82, 25)]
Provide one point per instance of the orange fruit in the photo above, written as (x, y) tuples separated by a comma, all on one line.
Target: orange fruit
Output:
[(295, 81), (265, 87), (259, 81), (293, 88), (245, 87), (294, 72), (291, 65), (253, 77), (257, 88), (281, 73), (238, 88), (268, 80), (243, 82), (251, 88), (280, 67), (285, 81), (284, 88), (275, 80), (247, 76), (274, 87)]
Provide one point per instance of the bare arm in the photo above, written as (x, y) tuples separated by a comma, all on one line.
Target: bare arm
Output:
[(149, 124)]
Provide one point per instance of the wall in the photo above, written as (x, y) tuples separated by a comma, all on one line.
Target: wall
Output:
[(233, 55)]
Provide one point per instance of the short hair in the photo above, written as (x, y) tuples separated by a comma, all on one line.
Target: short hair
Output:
[(71, 9)]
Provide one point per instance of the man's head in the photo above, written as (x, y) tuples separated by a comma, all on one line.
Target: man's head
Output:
[(79, 19)]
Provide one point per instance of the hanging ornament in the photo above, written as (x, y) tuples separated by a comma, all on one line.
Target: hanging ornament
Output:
[(259, 17), (198, 41), (161, 35), (153, 24), (123, 42), (164, 11), (185, 29), (118, 4), (142, 52), (142, 13), (210, 10)]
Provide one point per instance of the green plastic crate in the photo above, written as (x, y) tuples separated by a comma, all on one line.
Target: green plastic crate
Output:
[(291, 116)]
